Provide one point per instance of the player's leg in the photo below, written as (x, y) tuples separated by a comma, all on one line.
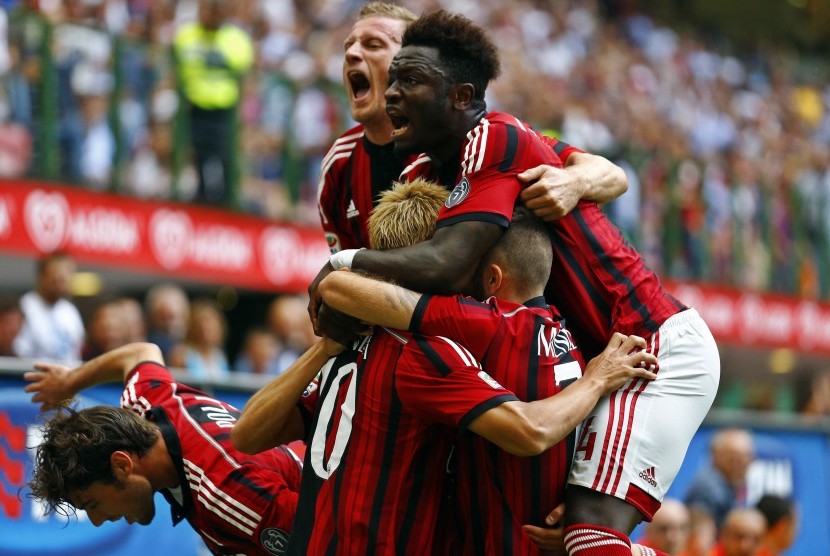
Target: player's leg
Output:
[(631, 446)]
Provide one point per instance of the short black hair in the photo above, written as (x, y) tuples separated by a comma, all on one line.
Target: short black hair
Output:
[(467, 52), (775, 508), (524, 250)]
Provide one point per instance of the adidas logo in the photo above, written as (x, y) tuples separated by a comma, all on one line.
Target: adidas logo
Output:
[(648, 476), (351, 211)]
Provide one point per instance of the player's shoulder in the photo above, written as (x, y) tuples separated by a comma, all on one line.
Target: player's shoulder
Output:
[(495, 134), (343, 147)]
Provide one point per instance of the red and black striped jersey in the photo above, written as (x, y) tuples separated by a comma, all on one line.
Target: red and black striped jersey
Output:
[(527, 349), (238, 503), (598, 280), (353, 173), (374, 476)]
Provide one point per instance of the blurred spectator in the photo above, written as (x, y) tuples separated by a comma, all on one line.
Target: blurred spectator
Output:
[(818, 402), (11, 321), (260, 353), (212, 57), (702, 533), (721, 486), (167, 309), (203, 350), (782, 524), (52, 326), (288, 320), (741, 533), (668, 531), (135, 329), (105, 329)]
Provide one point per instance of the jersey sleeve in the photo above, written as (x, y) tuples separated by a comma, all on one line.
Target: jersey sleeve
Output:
[(459, 318), (488, 186), (149, 384), (337, 237), (562, 149), (438, 380), (332, 193)]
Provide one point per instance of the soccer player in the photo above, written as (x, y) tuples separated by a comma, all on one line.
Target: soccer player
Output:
[(165, 437), (522, 343), (374, 471), (633, 443), (361, 162)]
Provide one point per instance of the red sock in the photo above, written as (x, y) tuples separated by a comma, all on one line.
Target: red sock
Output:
[(584, 539)]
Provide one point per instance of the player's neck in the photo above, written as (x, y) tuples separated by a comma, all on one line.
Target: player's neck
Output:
[(448, 151), (378, 133), (159, 467)]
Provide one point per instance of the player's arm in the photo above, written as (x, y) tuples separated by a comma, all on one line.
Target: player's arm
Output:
[(271, 417), (528, 429), (443, 264), (370, 300), (554, 192), (53, 383)]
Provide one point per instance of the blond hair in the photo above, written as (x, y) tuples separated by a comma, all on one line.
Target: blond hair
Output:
[(406, 214), (385, 9)]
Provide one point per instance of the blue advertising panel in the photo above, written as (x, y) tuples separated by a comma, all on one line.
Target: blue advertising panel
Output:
[(26, 530), (789, 462)]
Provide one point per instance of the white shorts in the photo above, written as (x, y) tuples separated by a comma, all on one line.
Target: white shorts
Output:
[(633, 442)]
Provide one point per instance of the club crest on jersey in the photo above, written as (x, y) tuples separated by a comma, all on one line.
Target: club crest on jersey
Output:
[(458, 193), (333, 242), (274, 540)]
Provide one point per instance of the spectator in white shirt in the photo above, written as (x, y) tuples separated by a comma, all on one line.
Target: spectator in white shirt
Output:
[(52, 326)]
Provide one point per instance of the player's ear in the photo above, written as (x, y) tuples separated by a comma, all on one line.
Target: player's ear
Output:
[(122, 464), (463, 95), (493, 278)]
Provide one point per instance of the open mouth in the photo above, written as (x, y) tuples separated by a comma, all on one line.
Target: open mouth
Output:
[(359, 84), (400, 123)]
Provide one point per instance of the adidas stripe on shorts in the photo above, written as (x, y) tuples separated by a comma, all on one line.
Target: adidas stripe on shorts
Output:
[(632, 444)]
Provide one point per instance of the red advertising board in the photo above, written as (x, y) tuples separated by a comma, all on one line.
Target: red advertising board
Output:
[(224, 248), (180, 240), (756, 319)]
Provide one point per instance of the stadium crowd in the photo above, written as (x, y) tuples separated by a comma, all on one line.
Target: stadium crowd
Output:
[(693, 121)]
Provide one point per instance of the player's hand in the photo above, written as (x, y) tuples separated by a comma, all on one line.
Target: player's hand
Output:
[(315, 299), (621, 360), (340, 327), (50, 383), (550, 539), (552, 193)]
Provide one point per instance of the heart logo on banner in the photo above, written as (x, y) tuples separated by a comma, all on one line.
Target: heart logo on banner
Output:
[(170, 237), (47, 217), (278, 251)]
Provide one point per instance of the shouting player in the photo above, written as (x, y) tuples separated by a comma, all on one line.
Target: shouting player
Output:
[(361, 163)]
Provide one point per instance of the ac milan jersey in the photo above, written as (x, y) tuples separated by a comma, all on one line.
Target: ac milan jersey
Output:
[(526, 349), (353, 173), (238, 503), (598, 280), (378, 446)]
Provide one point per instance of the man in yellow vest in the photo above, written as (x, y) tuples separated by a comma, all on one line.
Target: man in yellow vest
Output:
[(212, 56)]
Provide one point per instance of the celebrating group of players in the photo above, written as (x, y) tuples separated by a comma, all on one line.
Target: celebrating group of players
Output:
[(460, 423)]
